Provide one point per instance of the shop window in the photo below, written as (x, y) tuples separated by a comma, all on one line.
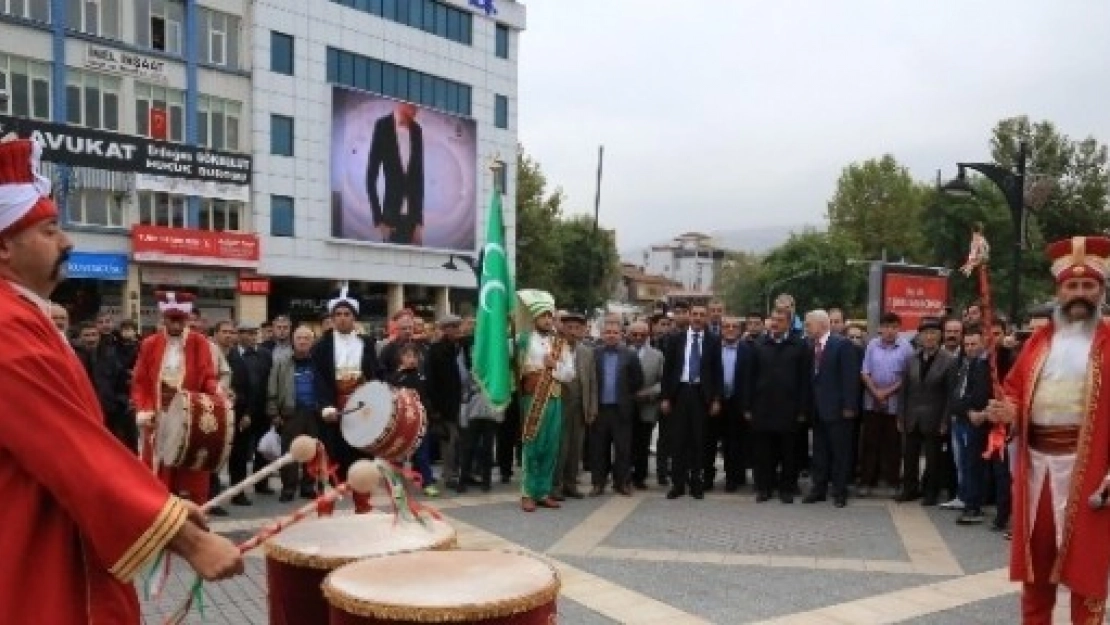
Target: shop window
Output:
[(150, 99), (281, 216), (92, 100), (221, 215), (218, 123), (95, 207), (27, 84), (161, 209), (94, 17)]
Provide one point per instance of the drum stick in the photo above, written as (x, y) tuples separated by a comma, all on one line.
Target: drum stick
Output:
[(362, 477), (302, 450), (356, 408)]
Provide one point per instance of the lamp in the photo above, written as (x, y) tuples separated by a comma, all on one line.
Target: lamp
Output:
[(450, 264), (958, 187)]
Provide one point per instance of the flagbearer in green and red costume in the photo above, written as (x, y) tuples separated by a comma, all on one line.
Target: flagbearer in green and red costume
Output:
[(545, 364)]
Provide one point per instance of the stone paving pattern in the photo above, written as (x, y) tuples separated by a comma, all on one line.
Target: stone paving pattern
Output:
[(647, 560)]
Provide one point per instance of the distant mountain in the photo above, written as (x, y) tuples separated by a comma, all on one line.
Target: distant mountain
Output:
[(759, 240), (753, 240)]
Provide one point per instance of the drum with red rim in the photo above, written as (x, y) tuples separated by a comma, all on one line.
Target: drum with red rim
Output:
[(195, 432), (484, 587), (298, 559), (386, 422)]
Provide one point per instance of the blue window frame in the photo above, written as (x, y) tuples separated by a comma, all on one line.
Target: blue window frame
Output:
[(281, 216)]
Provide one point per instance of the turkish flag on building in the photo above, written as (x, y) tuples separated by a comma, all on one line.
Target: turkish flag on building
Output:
[(159, 126)]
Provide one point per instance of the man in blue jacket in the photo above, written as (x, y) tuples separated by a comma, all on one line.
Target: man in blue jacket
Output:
[(836, 387)]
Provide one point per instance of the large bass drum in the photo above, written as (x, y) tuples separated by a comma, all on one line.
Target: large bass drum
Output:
[(195, 432)]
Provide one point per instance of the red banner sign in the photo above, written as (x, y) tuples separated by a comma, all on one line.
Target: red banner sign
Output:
[(914, 296), (194, 247), (254, 285)]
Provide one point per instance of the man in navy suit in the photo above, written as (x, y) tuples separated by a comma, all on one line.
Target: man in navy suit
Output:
[(836, 387), (397, 153)]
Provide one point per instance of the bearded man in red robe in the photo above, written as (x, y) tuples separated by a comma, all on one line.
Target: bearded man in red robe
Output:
[(1057, 396), (175, 359), (81, 515)]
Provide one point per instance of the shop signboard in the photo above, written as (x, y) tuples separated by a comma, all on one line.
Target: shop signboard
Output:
[(194, 247)]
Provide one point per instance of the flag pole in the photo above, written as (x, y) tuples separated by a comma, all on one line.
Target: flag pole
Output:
[(594, 238)]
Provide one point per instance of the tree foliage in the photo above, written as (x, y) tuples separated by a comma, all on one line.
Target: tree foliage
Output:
[(872, 205), (814, 267), (562, 255), (738, 282)]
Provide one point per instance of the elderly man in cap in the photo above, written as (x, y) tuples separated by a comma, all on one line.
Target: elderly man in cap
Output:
[(922, 422), (448, 373), (579, 406), (546, 364), (81, 515), (1056, 398)]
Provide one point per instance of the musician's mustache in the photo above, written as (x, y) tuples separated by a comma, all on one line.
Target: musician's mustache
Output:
[(1087, 305), (63, 259)]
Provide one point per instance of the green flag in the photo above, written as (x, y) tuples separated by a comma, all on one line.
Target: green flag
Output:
[(491, 334)]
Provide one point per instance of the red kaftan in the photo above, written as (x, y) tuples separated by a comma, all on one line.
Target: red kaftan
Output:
[(80, 515), (1083, 564), (200, 377)]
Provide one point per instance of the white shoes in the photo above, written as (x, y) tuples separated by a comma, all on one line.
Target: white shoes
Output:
[(955, 504)]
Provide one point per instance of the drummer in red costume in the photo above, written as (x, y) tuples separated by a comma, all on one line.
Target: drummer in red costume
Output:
[(342, 360), (1058, 400), (173, 359), (80, 514)]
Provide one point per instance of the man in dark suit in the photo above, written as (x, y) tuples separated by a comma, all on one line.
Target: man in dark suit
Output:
[(619, 377), (835, 398), (243, 394), (447, 373), (921, 414), (110, 380), (729, 431), (691, 395), (397, 152), (970, 386), (781, 366)]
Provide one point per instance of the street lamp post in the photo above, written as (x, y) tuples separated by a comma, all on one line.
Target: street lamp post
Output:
[(1012, 185), (774, 285)]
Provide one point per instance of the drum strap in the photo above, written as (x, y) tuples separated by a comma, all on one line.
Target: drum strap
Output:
[(544, 389)]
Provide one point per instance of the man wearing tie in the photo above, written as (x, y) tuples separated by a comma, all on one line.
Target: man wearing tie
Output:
[(836, 387), (729, 430), (691, 396)]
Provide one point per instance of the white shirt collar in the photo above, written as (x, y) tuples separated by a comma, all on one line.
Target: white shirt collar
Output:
[(824, 339)]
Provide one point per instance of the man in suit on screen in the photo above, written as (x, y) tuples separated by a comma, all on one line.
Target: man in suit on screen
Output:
[(397, 154)]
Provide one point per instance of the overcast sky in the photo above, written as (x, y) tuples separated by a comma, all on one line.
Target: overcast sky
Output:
[(726, 114)]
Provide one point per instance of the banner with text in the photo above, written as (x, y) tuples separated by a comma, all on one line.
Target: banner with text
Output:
[(84, 147), (914, 293), (402, 174), (194, 247)]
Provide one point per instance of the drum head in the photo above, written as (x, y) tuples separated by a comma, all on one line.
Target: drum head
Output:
[(329, 543), (372, 410), (172, 423), (443, 586)]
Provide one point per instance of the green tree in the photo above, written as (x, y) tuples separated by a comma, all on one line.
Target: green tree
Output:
[(814, 268), (537, 216), (1078, 202), (739, 282), (590, 264), (873, 203)]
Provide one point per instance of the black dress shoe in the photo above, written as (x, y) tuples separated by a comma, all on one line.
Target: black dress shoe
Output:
[(786, 498), (928, 502), (907, 495), (486, 486), (573, 493), (506, 478), (840, 502), (286, 496), (623, 490), (762, 497), (241, 500), (663, 481), (597, 491), (697, 493), (675, 493), (264, 489), (731, 487), (217, 511), (814, 498), (639, 485)]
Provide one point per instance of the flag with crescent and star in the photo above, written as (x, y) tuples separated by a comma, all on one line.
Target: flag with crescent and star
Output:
[(491, 356)]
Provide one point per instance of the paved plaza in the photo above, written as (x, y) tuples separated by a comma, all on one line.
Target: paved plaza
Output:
[(647, 560)]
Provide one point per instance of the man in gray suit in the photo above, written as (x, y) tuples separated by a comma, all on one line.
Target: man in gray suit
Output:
[(619, 377), (579, 405), (647, 401), (922, 405)]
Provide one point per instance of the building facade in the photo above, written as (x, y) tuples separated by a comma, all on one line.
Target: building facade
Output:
[(692, 259), (331, 82), (190, 143)]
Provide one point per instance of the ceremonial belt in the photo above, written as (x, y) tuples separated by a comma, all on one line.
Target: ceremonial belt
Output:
[(545, 388), (1054, 440)]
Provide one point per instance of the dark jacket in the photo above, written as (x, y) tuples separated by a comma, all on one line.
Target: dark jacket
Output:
[(972, 395), (445, 382), (109, 378), (741, 380), (781, 383), (323, 359), (922, 400), (836, 380), (630, 377), (400, 183), (674, 361), (240, 384)]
